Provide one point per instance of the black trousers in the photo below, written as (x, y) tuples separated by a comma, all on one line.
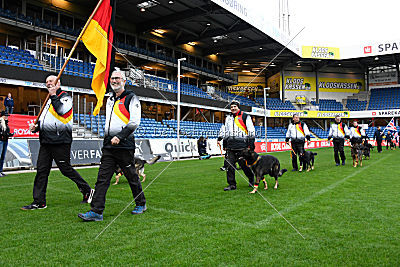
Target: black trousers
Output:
[(298, 147), (109, 160), (379, 145), (231, 157), (388, 143), (61, 155), (338, 147)]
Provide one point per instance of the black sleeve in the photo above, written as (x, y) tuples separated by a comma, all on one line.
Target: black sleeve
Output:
[(55, 101), (251, 143), (287, 139)]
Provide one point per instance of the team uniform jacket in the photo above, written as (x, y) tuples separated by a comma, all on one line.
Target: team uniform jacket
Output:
[(238, 132), (297, 132), (357, 133), (338, 130), (123, 115), (55, 122)]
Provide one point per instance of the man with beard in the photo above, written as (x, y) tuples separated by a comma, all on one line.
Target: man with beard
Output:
[(338, 131), (123, 112), (55, 137)]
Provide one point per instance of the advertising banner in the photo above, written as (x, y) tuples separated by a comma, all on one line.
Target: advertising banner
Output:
[(338, 84), (299, 83), (371, 49), (19, 125), (188, 148), (382, 78), (376, 113), (308, 113), (82, 151), (320, 52), (282, 146)]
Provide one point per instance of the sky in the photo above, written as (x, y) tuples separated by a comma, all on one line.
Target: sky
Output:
[(337, 23)]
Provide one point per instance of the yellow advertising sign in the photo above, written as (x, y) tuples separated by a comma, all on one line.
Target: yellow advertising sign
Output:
[(340, 85), (246, 87), (300, 83), (308, 114), (320, 52)]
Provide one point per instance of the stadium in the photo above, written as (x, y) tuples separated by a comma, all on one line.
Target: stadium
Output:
[(187, 61)]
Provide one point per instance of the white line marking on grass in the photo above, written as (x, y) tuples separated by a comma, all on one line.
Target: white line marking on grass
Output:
[(322, 191), (130, 203)]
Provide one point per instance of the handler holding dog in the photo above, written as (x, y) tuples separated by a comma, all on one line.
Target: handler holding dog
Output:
[(339, 131), (297, 132), (237, 134)]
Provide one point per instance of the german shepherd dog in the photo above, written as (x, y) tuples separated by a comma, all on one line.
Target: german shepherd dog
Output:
[(308, 160), (393, 144), (139, 166), (357, 154), (262, 165), (367, 150)]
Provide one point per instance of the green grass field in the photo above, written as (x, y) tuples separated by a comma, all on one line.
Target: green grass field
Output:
[(348, 216)]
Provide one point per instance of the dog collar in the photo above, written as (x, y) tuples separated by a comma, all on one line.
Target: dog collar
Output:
[(254, 163)]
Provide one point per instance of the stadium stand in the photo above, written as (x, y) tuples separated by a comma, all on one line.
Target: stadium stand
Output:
[(275, 104), (18, 58), (38, 22), (242, 100), (328, 105), (384, 98), (164, 57), (356, 105), (320, 133)]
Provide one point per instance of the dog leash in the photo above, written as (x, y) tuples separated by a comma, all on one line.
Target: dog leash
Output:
[(292, 149), (254, 163)]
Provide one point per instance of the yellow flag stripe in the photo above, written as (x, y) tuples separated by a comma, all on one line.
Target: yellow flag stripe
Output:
[(239, 125), (58, 117), (119, 113), (96, 41)]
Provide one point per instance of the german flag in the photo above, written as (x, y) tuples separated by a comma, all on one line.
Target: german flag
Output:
[(98, 39)]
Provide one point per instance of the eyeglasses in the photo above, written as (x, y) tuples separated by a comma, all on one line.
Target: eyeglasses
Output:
[(115, 78)]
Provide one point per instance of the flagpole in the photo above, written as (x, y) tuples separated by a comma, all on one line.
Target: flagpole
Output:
[(69, 56)]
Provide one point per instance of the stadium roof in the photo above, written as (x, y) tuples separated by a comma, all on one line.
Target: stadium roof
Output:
[(203, 24), (214, 30)]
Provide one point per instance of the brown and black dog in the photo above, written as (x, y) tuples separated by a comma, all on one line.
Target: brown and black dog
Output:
[(357, 154), (308, 158), (262, 165), (139, 167)]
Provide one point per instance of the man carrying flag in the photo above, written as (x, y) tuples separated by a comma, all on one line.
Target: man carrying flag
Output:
[(390, 127), (339, 131), (237, 134), (297, 132)]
